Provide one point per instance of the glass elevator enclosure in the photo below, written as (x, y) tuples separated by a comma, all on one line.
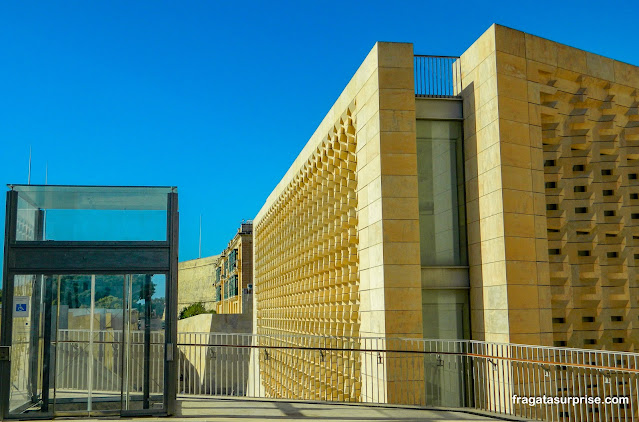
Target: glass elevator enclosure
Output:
[(89, 316)]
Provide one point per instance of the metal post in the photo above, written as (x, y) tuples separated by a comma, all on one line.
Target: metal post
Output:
[(147, 340)]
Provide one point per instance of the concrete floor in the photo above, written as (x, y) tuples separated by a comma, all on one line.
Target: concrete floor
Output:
[(220, 410)]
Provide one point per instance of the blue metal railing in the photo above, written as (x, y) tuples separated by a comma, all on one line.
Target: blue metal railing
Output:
[(437, 76)]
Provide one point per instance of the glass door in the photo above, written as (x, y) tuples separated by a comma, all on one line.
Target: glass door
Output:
[(144, 344), (88, 344), (28, 383)]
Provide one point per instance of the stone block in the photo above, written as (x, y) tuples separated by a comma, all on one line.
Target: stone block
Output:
[(395, 54), (401, 230), (521, 272), (396, 77), (404, 322), (400, 208), (398, 253), (492, 226), (541, 50), (510, 41), (512, 87), (519, 248), (493, 250), (519, 225), (398, 143), (515, 110), (514, 132), (396, 276), (399, 164), (515, 155), (523, 296), (496, 323), (626, 74), (516, 178), (495, 297), (600, 67), (523, 321), (571, 59), (399, 186), (397, 99), (509, 65)]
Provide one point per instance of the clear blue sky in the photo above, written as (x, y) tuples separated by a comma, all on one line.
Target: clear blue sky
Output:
[(219, 98)]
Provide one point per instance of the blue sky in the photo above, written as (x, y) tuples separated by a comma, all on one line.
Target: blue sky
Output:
[(219, 98)]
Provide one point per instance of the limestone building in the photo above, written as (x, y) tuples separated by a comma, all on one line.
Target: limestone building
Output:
[(194, 282), (233, 273), (494, 196)]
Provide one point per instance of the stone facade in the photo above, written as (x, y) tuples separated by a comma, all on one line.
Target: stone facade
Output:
[(550, 141), (195, 282), (337, 242), (233, 273), (551, 136)]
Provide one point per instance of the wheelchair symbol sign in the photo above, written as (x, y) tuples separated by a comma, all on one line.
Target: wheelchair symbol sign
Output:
[(21, 306)]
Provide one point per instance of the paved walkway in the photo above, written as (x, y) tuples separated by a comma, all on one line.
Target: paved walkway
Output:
[(220, 410)]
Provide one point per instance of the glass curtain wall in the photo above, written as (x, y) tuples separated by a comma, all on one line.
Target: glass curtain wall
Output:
[(442, 217), (442, 222)]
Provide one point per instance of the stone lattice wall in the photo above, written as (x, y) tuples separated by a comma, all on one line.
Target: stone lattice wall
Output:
[(307, 269), (590, 133)]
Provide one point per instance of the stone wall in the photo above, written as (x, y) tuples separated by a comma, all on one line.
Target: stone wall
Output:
[(195, 282), (551, 140), (337, 242)]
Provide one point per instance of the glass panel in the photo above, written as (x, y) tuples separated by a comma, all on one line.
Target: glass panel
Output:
[(27, 220), (102, 225), (73, 351), (86, 213), (446, 316), (25, 392), (442, 216), (144, 342), (89, 358), (106, 343)]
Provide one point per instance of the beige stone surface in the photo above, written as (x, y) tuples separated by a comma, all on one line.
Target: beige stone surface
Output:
[(337, 238), (195, 282), (556, 108)]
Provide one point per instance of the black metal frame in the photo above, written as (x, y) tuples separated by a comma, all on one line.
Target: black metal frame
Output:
[(92, 257)]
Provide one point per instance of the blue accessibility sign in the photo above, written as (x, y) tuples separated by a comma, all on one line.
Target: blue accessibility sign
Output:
[(21, 307)]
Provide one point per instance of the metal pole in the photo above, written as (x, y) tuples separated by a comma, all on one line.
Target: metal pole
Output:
[(90, 375)]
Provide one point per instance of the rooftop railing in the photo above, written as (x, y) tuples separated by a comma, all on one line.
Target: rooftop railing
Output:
[(437, 76)]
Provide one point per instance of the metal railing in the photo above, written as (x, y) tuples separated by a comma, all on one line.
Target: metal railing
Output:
[(74, 349), (437, 76), (454, 374)]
